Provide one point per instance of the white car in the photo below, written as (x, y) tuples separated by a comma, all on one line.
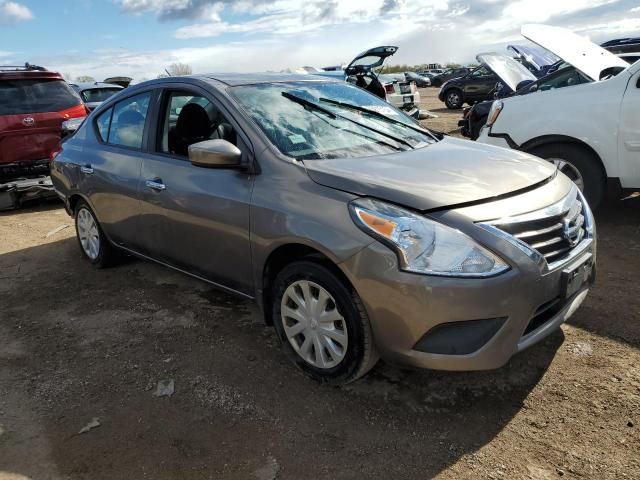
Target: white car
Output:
[(591, 130), (400, 93)]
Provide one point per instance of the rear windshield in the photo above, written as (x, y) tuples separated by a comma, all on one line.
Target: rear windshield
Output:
[(36, 96), (98, 94)]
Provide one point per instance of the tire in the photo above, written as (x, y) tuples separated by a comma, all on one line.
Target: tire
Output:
[(477, 127), (580, 165), (453, 99), (93, 243), (347, 322)]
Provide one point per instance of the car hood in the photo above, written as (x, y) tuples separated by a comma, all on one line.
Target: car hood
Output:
[(448, 173), (586, 56), (511, 72), (537, 57)]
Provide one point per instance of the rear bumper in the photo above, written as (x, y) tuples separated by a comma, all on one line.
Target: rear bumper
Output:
[(16, 192)]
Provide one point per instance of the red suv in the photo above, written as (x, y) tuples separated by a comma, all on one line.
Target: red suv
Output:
[(33, 105)]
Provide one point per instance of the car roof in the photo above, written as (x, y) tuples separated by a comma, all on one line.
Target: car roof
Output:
[(236, 79), (29, 74)]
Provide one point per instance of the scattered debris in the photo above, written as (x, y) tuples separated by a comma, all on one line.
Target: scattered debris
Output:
[(269, 471), (56, 230), (629, 424), (165, 388), (94, 423), (580, 349)]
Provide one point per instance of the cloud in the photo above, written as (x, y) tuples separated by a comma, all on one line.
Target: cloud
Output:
[(13, 12), (259, 35)]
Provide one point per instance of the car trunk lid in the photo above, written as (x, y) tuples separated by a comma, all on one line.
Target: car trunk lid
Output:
[(586, 56), (370, 59)]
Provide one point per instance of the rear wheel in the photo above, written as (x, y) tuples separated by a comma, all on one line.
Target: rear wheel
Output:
[(322, 323), (453, 99), (580, 165), (94, 245)]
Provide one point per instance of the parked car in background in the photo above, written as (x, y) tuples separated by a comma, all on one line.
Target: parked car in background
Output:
[(401, 93), (93, 94), (590, 131), (483, 83), (626, 48), (344, 219), (362, 71), (420, 81), (439, 79), (34, 103), (432, 72)]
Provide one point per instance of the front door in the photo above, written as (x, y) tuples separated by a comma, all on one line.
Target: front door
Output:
[(629, 147), (194, 218), (479, 84)]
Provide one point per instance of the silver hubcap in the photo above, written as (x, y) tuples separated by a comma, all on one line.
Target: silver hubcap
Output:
[(88, 233), (454, 98), (315, 328), (570, 171)]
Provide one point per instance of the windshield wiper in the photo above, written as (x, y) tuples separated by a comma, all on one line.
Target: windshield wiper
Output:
[(331, 114), (374, 113)]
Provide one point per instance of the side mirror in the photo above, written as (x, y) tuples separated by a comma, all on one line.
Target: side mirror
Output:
[(215, 154)]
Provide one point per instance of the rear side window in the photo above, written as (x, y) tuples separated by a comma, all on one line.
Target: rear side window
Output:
[(36, 96), (103, 123), (128, 120)]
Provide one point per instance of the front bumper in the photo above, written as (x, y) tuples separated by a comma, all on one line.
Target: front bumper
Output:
[(498, 316)]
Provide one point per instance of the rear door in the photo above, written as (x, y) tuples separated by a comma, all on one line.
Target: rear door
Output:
[(31, 114), (109, 169), (629, 147)]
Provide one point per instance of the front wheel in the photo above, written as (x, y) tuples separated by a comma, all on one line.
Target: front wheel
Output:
[(453, 99), (580, 165), (322, 323)]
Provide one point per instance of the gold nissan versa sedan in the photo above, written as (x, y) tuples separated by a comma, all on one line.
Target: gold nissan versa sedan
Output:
[(359, 233)]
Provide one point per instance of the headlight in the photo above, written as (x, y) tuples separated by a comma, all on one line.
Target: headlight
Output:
[(423, 245), (496, 108)]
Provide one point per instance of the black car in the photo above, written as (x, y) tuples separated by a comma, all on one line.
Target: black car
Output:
[(438, 80), (476, 86)]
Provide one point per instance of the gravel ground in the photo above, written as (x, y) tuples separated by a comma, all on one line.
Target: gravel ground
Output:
[(78, 344)]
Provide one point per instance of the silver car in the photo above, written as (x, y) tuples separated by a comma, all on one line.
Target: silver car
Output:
[(359, 233)]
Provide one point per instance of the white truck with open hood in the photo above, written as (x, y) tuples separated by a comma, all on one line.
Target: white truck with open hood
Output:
[(592, 130)]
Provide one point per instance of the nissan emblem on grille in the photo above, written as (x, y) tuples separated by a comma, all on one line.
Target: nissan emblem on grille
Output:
[(569, 233), (28, 121)]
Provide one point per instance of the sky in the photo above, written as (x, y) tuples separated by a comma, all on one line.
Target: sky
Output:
[(140, 38)]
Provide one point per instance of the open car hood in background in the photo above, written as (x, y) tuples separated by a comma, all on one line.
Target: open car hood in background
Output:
[(537, 57), (369, 59), (583, 54), (510, 71)]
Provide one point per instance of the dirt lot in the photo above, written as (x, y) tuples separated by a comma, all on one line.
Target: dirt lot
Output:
[(78, 344)]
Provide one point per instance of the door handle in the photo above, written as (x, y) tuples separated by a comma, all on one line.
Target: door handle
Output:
[(156, 185), (632, 146), (86, 169)]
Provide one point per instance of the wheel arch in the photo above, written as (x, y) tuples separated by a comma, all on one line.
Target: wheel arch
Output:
[(284, 255), (544, 140)]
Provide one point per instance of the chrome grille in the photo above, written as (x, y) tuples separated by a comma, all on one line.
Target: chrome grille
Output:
[(554, 233)]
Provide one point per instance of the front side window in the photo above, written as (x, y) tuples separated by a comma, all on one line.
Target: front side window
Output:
[(309, 120), (190, 119), (127, 121), (566, 77)]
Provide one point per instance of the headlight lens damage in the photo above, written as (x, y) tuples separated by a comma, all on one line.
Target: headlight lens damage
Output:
[(423, 245)]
